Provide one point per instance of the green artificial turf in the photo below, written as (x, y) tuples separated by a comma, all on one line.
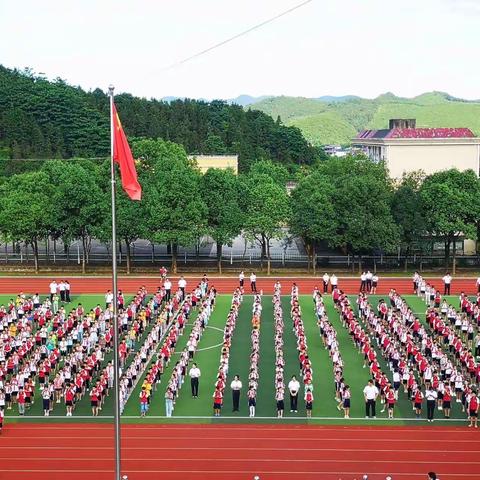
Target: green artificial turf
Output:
[(189, 410)]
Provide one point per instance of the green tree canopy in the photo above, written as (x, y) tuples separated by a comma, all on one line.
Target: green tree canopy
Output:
[(221, 192), (176, 211), (313, 216), (451, 207), (267, 211), (26, 209)]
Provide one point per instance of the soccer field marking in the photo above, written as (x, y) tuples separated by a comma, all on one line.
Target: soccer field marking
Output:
[(205, 348)]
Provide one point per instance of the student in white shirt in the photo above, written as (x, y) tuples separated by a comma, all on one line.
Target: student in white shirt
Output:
[(333, 282), (253, 282), (61, 289), (326, 279), (182, 284), (168, 289), (293, 387), (370, 393), (236, 386), (373, 289), (53, 289), (241, 279), (194, 375), (363, 282), (447, 280), (108, 299)]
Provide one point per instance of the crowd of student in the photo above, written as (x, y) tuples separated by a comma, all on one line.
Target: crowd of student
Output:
[(162, 318), (278, 344), (415, 358), (63, 352), (223, 368), (179, 372), (173, 318)]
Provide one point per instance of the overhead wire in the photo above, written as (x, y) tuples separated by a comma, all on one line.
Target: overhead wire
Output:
[(234, 37)]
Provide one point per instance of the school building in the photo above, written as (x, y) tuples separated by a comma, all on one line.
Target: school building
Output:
[(404, 147), (204, 162)]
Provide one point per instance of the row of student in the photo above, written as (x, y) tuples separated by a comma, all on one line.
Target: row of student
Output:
[(329, 338), (253, 375), (279, 326), (306, 371), (228, 331)]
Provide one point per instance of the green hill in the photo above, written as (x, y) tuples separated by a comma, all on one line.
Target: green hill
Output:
[(324, 122), (51, 119)]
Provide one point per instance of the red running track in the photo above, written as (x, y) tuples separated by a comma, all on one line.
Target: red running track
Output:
[(99, 285), (214, 452)]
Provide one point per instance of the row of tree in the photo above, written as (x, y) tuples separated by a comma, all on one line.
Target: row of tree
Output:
[(349, 204), (42, 119)]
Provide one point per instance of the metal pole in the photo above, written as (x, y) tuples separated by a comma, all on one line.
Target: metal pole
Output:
[(116, 363)]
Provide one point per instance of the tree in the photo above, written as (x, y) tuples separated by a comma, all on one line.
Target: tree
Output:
[(363, 195), (176, 211), (278, 173), (408, 213), (267, 212), (26, 209), (451, 206), (220, 192), (313, 216), (78, 200)]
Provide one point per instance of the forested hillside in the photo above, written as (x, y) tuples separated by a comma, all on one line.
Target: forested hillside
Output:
[(336, 120), (43, 119)]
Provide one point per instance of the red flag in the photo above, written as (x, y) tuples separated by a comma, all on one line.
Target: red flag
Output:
[(123, 156)]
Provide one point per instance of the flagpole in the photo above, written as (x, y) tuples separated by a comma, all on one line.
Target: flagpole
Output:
[(116, 363)]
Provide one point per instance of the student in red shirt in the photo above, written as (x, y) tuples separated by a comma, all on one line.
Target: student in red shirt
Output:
[(69, 399), (143, 401), (447, 401), (217, 402), (94, 401), (473, 405), (418, 399), (390, 400), (2, 415), (309, 403), (21, 401)]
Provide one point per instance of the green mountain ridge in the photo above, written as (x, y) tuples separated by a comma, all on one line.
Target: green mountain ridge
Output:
[(338, 121)]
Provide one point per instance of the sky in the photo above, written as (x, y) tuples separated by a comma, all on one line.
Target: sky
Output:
[(326, 47)]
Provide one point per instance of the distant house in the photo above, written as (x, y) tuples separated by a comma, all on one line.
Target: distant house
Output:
[(406, 148), (204, 162)]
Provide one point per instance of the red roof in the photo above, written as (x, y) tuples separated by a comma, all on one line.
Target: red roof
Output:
[(418, 133), (430, 133)]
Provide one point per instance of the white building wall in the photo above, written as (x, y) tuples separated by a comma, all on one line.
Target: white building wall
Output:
[(431, 158)]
